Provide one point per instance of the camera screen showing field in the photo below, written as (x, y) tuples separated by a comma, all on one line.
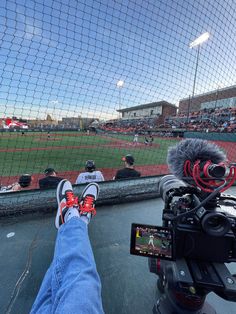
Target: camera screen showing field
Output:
[(156, 242)]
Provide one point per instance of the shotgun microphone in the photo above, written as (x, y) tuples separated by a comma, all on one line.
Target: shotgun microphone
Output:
[(202, 163)]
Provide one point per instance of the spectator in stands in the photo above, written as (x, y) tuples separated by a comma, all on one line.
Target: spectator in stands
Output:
[(91, 174), (23, 182), (51, 180), (72, 284), (128, 171)]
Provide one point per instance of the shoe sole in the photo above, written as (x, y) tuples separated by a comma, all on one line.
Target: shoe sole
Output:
[(58, 202)]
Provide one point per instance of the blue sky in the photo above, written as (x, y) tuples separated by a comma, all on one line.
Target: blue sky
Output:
[(65, 57)]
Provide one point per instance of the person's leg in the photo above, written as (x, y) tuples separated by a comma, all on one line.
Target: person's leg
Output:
[(76, 286), (72, 279), (43, 301)]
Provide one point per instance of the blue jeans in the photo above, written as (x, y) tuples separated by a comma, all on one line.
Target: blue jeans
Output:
[(71, 284)]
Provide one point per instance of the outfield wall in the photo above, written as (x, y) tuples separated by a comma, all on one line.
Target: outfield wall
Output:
[(225, 137)]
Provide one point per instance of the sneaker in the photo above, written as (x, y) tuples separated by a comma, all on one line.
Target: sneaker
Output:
[(65, 199), (88, 199)]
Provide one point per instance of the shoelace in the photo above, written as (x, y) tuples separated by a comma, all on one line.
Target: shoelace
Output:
[(71, 200), (88, 205)]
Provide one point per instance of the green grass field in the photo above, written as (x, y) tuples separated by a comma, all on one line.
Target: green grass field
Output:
[(145, 240), (66, 151)]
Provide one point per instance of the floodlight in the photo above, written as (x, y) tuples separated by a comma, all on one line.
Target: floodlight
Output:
[(198, 41), (120, 84)]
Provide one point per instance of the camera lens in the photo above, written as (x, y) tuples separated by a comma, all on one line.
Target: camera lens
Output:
[(168, 183), (215, 224)]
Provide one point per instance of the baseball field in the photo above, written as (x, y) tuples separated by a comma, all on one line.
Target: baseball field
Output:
[(67, 153)]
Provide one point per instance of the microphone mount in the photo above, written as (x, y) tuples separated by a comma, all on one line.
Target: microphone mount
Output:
[(208, 176)]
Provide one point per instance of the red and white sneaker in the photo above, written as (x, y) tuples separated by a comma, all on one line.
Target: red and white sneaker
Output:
[(88, 200), (65, 199)]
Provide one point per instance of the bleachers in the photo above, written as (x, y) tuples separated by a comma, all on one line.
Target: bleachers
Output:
[(130, 125), (208, 120)]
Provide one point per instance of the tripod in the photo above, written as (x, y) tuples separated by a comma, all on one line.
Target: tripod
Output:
[(184, 285)]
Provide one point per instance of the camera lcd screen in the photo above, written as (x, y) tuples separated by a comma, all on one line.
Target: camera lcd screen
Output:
[(152, 241)]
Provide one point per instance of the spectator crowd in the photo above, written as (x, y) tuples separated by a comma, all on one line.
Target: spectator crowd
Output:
[(129, 125), (208, 120)]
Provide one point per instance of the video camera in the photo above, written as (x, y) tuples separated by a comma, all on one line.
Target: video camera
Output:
[(198, 234), (204, 232)]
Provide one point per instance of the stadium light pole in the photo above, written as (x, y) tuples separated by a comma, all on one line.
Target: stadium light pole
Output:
[(119, 85), (197, 43), (219, 86)]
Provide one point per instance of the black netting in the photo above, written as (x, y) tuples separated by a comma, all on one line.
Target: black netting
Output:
[(80, 78)]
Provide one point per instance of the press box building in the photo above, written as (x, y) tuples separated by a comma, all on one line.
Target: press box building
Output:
[(159, 110), (220, 98)]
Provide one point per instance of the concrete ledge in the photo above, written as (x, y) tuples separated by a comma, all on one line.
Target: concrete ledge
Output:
[(112, 192)]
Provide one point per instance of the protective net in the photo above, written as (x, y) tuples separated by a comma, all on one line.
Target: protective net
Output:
[(97, 80)]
